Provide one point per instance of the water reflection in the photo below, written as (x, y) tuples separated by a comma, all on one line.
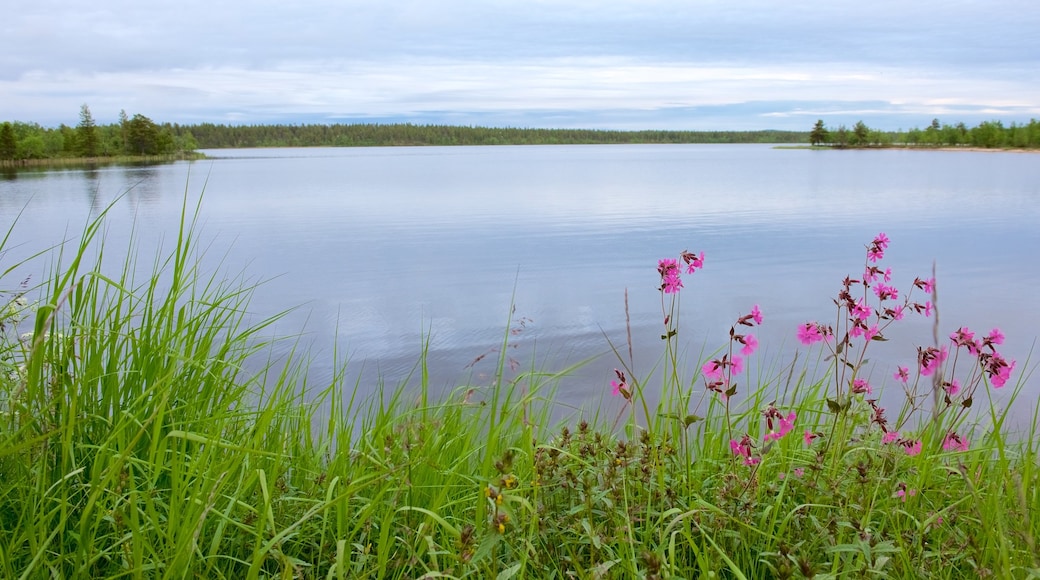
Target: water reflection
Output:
[(388, 248)]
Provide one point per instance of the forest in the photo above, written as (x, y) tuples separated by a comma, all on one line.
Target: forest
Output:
[(986, 135), (138, 136)]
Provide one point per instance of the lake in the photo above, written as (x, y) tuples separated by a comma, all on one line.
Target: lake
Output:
[(383, 249)]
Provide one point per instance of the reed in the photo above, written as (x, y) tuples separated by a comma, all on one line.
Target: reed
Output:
[(138, 439)]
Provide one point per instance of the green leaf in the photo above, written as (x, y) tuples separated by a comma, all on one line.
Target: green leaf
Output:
[(509, 572), (833, 406)]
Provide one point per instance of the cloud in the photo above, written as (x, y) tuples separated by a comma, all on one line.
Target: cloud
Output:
[(270, 61)]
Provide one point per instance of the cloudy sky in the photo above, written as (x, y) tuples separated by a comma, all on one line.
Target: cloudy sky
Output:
[(627, 64)]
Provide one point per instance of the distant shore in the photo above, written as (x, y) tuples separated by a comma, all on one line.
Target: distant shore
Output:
[(54, 162), (912, 148)]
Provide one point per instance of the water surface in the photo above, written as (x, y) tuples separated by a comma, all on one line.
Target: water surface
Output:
[(383, 249)]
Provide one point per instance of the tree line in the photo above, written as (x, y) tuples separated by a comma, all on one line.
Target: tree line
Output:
[(988, 135), (140, 136), (131, 136), (213, 136)]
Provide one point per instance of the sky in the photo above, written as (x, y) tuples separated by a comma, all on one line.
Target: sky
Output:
[(605, 64)]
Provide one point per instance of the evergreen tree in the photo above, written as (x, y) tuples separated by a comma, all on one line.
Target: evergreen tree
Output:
[(8, 144), (124, 131), (818, 134), (142, 136), (86, 133)]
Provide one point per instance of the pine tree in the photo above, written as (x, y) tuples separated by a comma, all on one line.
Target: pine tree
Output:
[(86, 133), (819, 133), (8, 144)]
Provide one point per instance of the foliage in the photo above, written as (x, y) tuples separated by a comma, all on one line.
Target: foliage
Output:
[(138, 136), (86, 133), (210, 136), (133, 443), (988, 135)]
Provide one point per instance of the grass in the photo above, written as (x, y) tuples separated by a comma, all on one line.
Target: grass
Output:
[(134, 443)]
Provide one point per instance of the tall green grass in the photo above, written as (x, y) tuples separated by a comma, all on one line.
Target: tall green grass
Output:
[(138, 440)]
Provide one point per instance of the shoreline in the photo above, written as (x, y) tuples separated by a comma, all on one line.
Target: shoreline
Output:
[(912, 148)]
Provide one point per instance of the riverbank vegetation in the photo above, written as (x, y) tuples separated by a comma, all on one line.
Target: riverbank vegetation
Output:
[(375, 135), (986, 135), (136, 138), (134, 443)]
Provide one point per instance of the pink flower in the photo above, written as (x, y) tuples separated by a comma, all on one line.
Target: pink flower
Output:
[(884, 292), (750, 344), (787, 423), (736, 447), (926, 285), (902, 374), (995, 337), (888, 274), (798, 471), (742, 448), (890, 437), (952, 388), (871, 332), (693, 261), (860, 386), (927, 308), (712, 370), (861, 310), (904, 493), (737, 365), (881, 240), (930, 359), (809, 333), (756, 314), (669, 271), (965, 337), (912, 447), (619, 386), (954, 442), (808, 437)]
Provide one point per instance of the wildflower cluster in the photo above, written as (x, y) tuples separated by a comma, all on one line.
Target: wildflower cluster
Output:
[(719, 372)]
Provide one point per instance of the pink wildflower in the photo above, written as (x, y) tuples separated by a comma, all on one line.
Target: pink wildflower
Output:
[(926, 285), (871, 332), (620, 386), (712, 369), (904, 493), (756, 314), (884, 292), (927, 308), (952, 387), (798, 471), (737, 365), (930, 359), (890, 437), (997, 367), (860, 386), (902, 374), (912, 447), (994, 337), (669, 271), (861, 311), (693, 261), (808, 437), (750, 344), (809, 333), (742, 448), (954, 442)]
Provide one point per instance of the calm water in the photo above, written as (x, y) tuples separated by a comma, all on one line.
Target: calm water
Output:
[(379, 247)]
